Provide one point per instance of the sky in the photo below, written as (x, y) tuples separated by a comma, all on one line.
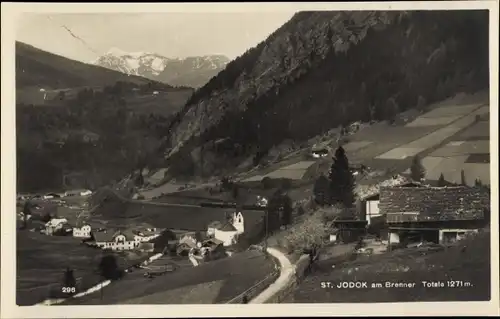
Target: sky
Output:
[(169, 34)]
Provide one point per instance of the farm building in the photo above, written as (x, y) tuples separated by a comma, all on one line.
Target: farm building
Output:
[(347, 231), (118, 240), (434, 214), (369, 209), (183, 248), (55, 225), (209, 249), (82, 232), (146, 234), (78, 192)]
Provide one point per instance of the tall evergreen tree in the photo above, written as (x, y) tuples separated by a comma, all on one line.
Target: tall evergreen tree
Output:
[(286, 218), (69, 278), (320, 190), (463, 181), (441, 181), (341, 180), (417, 170), (235, 191)]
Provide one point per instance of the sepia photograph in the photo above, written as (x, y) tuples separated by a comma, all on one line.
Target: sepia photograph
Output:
[(286, 156)]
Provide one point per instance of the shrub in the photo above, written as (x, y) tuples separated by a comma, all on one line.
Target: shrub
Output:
[(140, 197)]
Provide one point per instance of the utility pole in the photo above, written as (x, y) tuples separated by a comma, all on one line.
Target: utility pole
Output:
[(267, 231)]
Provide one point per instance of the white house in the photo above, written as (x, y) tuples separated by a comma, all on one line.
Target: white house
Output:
[(228, 232), (78, 192), (115, 241), (262, 201), (54, 225), (83, 232), (147, 234), (371, 208), (212, 227), (86, 192)]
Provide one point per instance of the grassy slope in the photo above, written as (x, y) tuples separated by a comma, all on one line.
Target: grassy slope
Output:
[(468, 261), (41, 261), (238, 273)]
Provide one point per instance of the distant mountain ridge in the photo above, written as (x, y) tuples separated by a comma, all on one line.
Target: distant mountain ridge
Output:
[(38, 68), (191, 71)]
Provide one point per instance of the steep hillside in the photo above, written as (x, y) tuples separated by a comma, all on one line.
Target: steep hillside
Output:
[(324, 69), (35, 67), (190, 71)]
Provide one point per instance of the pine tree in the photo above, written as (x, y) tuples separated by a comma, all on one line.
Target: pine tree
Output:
[(341, 180), (235, 191), (286, 218), (69, 278), (417, 170), (478, 183), (441, 181), (462, 178), (320, 190)]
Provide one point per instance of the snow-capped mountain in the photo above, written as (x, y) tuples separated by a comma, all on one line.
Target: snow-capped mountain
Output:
[(190, 71)]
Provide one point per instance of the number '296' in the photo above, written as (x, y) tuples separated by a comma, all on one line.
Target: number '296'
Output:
[(68, 290)]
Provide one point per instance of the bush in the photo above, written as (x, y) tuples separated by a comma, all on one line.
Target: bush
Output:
[(140, 197)]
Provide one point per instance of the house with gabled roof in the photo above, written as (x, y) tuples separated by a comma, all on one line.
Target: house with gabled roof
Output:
[(115, 240), (145, 234), (369, 209), (435, 214), (227, 232), (55, 225)]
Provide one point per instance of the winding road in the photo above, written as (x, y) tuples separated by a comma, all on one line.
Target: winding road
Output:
[(287, 270)]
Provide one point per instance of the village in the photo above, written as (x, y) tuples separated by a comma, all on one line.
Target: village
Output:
[(199, 246), (406, 197)]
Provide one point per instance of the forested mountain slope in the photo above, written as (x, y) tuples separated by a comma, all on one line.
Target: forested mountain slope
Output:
[(323, 69)]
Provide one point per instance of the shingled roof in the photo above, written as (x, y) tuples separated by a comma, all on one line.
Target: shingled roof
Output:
[(227, 227), (434, 203)]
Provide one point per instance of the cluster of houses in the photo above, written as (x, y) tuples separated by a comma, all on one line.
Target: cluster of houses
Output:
[(205, 245), (414, 212), (70, 193), (214, 242)]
